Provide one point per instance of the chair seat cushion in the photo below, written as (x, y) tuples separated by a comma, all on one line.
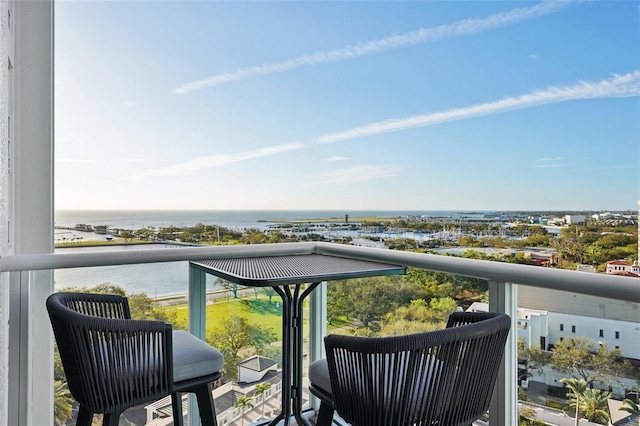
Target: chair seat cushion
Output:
[(193, 358), (319, 375)]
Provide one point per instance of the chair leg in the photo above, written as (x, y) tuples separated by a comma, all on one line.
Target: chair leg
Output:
[(85, 417), (111, 419), (325, 415), (205, 404), (176, 406)]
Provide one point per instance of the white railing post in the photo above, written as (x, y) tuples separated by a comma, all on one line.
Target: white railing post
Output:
[(197, 325), (317, 329), (503, 410)]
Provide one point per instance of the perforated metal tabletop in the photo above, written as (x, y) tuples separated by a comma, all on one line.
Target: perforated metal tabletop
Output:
[(266, 271)]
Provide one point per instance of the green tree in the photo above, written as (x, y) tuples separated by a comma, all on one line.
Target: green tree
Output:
[(418, 316), (577, 387), (269, 292), (229, 286), (371, 299), (337, 300), (631, 407), (254, 236), (144, 233), (235, 333), (62, 402), (261, 388), (594, 405), (528, 417), (534, 357), (568, 245), (127, 235), (581, 358), (244, 404)]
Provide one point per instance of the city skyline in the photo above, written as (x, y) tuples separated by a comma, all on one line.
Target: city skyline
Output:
[(348, 105)]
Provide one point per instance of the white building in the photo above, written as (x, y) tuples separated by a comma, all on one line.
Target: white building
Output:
[(574, 219), (365, 242), (546, 317), (622, 267)]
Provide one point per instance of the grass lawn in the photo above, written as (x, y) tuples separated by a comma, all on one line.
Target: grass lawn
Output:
[(256, 311)]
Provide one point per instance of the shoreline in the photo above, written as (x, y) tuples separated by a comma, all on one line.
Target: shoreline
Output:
[(211, 295)]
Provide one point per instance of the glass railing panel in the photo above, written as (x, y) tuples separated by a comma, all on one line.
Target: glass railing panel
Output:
[(566, 337), (245, 324)]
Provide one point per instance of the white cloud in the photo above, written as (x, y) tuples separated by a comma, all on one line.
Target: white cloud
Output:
[(423, 35), (533, 56), (207, 162), (337, 158), (131, 160), (550, 159), (627, 85), (127, 104), (356, 174), (548, 166)]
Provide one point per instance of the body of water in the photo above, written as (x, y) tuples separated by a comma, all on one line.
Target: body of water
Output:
[(163, 279), (154, 279), (234, 219)]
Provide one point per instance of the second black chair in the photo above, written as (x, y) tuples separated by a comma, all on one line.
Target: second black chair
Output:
[(444, 377), (113, 362)]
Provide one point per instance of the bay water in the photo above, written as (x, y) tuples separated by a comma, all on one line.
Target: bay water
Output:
[(163, 279)]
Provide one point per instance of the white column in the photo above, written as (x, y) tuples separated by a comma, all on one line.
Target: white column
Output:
[(503, 410), (31, 338), (6, 111)]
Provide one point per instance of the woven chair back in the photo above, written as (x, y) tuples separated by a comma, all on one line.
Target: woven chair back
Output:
[(111, 362), (444, 377)]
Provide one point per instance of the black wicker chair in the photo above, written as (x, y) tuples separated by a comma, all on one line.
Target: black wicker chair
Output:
[(444, 377), (113, 362)]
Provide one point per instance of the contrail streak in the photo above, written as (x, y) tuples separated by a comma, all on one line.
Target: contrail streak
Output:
[(200, 163), (619, 86), (423, 35)]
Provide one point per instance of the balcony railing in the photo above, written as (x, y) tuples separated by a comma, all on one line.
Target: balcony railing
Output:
[(502, 277)]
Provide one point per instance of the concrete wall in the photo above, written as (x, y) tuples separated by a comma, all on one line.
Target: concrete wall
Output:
[(578, 304), (5, 50), (27, 210)]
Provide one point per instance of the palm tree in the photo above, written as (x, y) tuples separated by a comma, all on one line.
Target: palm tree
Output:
[(631, 407), (243, 403), (62, 402), (577, 386), (594, 405), (261, 388)]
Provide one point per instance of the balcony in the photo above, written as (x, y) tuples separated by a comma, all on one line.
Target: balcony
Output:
[(27, 312)]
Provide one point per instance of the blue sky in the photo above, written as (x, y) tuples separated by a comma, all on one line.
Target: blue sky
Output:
[(347, 105)]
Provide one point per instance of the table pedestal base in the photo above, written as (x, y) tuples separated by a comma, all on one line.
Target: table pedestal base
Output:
[(292, 339)]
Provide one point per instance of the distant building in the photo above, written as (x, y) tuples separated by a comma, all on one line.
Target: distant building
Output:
[(574, 219), (255, 368), (586, 268), (618, 417), (365, 242), (622, 267)]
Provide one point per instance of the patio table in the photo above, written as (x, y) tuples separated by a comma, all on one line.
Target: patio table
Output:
[(287, 275)]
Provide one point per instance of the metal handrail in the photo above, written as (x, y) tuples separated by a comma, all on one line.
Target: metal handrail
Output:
[(601, 285)]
